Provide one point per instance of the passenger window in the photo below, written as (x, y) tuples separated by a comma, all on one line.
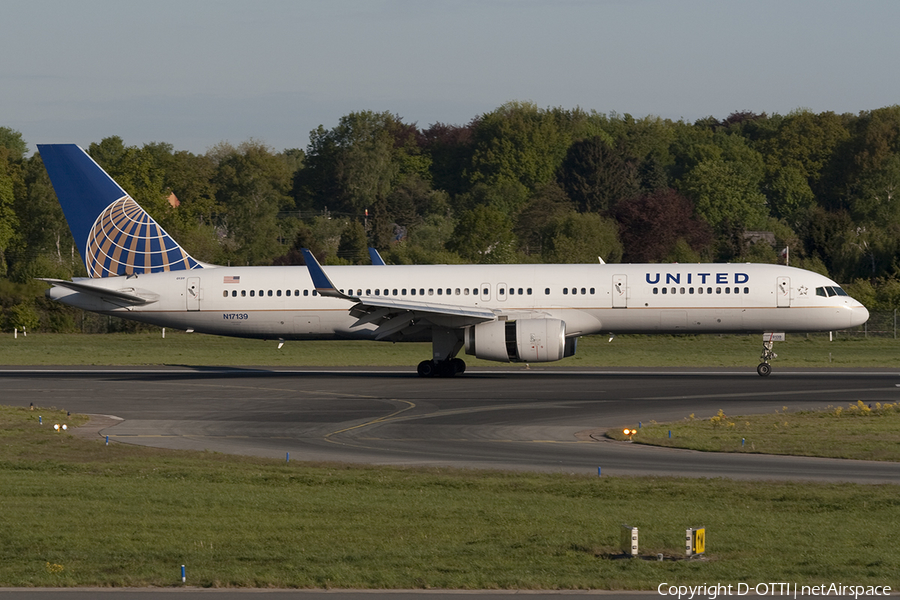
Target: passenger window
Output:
[(665, 290), (520, 291), (690, 290), (278, 293), (262, 293), (486, 291), (656, 290), (699, 290), (288, 292), (369, 292), (547, 291), (252, 293), (243, 293), (681, 290), (718, 290), (746, 290), (315, 293), (225, 294), (440, 291), (296, 292), (421, 291), (512, 291), (457, 291), (412, 292), (529, 291), (377, 292), (565, 291), (403, 292), (709, 290), (583, 291), (466, 291), (234, 293), (430, 292)]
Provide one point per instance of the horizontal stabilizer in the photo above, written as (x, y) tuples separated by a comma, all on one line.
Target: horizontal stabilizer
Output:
[(127, 297)]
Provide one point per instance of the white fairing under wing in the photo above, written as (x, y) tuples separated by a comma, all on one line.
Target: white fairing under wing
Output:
[(529, 313)]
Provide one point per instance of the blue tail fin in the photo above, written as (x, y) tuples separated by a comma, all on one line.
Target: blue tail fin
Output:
[(114, 235)]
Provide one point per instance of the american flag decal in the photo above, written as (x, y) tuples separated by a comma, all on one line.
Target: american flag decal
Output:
[(232, 279)]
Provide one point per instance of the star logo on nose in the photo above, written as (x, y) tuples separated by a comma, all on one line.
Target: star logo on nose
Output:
[(803, 289)]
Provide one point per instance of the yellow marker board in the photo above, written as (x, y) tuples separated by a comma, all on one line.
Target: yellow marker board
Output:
[(700, 540)]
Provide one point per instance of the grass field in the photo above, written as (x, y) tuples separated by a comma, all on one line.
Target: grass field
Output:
[(78, 513), (624, 351), (854, 431)]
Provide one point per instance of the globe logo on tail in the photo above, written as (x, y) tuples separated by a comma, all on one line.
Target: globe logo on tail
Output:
[(126, 240)]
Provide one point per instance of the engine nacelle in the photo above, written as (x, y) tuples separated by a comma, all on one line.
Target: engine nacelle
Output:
[(526, 340)]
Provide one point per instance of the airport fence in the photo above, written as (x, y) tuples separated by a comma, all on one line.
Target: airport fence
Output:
[(881, 324)]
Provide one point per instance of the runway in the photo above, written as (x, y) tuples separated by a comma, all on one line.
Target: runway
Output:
[(537, 419)]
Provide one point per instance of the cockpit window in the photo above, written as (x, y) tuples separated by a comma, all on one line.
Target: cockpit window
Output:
[(829, 291)]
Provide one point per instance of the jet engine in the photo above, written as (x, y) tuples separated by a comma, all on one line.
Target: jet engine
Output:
[(525, 340)]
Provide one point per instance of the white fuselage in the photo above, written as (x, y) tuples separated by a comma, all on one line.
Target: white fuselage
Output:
[(280, 302)]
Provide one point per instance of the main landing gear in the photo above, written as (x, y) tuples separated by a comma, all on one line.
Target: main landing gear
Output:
[(764, 368), (445, 345), (441, 368)]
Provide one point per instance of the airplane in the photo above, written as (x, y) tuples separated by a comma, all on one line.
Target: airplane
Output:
[(508, 313)]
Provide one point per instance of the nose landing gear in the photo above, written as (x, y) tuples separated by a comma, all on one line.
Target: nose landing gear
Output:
[(764, 368)]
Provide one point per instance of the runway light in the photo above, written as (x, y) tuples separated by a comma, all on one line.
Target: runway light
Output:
[(64, 427), (56, 426), (629, 432)]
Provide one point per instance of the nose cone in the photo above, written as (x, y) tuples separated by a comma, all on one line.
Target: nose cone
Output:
[(858, 315)]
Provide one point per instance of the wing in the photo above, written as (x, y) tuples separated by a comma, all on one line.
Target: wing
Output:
[(392, 315)]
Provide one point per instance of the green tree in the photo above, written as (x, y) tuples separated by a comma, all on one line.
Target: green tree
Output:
[(651, 225), (12, 141), (45, 245), (595, 175), (9, 222), (484, 235), (547, 204), (795, 156), (252, 185), (582, 238), (520, 143), (726, 192), (354, 247)]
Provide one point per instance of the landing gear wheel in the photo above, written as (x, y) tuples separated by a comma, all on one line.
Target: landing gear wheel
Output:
[(764, 369), (459, 365), (426, 368)]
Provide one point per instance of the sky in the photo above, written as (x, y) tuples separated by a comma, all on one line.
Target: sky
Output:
[(194, 73)]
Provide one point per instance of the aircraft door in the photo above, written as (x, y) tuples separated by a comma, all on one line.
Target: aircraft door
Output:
[(501, 292), (620, 291), (783, 292), (485, 292), (193, 293)]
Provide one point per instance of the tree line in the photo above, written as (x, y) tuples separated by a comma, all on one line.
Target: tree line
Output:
[(518, 184)]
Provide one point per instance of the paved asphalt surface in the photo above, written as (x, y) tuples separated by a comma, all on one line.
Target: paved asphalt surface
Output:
[(537, 419)]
